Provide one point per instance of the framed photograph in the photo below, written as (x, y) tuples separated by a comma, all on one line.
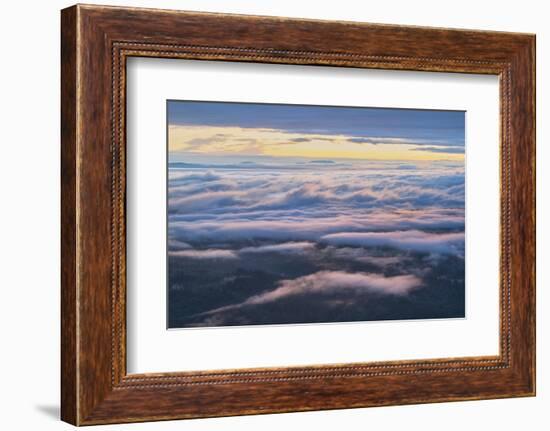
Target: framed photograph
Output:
[(264, 215)]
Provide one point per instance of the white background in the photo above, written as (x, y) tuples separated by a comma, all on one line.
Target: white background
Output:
[(29, 228), (151, 348)]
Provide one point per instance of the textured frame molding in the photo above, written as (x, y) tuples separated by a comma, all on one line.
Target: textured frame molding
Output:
[(96, 41)]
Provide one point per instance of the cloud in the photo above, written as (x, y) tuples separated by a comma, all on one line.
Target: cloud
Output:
[(245, 191), (238, 140), (187, 177), (285, 247), (334, 281), (378, 140), (204, 201), (448, 150), (205, 254), (261, 141), (329, 283), (174, 244), (332, 120), (404, 167), (323, 162), (406, 240), (421, 143), (231, 230), (196, 143), (285, 227), (302, 236)]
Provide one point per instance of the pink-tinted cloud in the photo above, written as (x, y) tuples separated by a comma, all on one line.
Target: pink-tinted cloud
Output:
[(286, 247), (285, 226), (334, 281), (331, 282), (405, 240), (211, 253)]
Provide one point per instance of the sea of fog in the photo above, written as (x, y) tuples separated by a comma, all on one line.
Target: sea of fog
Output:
[(288, 241)]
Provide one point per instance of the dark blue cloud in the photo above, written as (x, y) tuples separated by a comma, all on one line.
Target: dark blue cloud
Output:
[(425, 126), (448, 150)]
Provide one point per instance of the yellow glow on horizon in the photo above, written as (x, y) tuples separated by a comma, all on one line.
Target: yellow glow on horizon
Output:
[(278, 143), (349, 150)]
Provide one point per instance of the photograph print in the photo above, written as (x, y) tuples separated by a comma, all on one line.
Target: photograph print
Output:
[(294, 214)]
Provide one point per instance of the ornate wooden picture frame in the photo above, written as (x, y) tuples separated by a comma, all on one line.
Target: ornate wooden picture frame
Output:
[(96, 41)]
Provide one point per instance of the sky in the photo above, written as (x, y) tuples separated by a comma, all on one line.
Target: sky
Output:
[(301, 131)]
